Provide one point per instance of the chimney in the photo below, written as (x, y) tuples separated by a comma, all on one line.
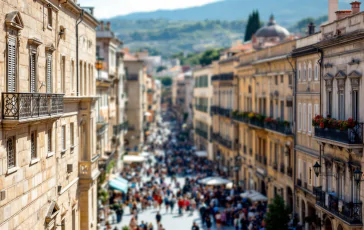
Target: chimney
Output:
[(102, 25), (342, 14), (311, 28), (333, 7), (108, 25), (355, 7)]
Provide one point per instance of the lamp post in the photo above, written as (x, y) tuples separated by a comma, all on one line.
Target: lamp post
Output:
[(237, 168)]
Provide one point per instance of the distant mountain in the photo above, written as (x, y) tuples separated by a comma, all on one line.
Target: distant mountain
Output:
[(286, 12)]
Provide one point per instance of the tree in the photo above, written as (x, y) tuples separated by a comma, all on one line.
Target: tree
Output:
[(253, 25), (278, 215), (161, 68)]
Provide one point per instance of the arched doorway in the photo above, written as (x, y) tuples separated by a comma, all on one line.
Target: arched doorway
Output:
[(340, 227), (289, 198), (264, 192), (328, 225)]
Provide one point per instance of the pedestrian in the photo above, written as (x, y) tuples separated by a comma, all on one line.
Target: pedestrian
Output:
[(180, 206), (150, 226), (195, 227), (166, 203), (172, 202), (158, 217), (132, 223), (208, 222), (218, 220)]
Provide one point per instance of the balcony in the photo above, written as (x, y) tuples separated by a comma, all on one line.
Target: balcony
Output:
[(223, 77), (227, 143), (120, 127), (259, 121), (351, 136), (350, 212), (21, 107), (216, 110), (201, 133)]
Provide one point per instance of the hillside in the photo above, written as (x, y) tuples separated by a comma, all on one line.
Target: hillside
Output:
[(168, 37), (286, 12)]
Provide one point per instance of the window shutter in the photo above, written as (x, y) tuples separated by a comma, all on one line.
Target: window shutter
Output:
[(32, 73), (309, 118), (49, 73), (11, 64), (304, 114), (299, 117)]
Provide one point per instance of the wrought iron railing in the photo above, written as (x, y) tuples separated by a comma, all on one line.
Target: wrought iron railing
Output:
[(120, 127), (18, 106), (349, 136), (223, 77), (222, 141), (224, 112), (201, 133), (214, 109), (348, 211), (202, 108), (281, 127)]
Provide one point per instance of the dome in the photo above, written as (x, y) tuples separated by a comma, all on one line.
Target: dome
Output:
[(272, 29)]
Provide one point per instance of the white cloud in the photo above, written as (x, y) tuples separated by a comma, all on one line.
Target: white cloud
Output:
[(110, 8)]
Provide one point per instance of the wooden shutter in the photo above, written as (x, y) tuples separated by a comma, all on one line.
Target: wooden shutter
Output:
[(32, 73), (11, 81), (49, 73)]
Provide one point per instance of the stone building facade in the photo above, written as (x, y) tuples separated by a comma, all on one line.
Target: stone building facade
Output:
[(48, 159)]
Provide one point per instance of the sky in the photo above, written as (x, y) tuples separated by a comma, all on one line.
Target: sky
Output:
[(111, 8)]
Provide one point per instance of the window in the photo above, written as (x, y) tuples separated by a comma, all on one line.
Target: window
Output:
[(49, 147), (276, 80), (11, 65), (316, 111), (282, 78), (63, 73), (299, 117), (49, 72), (290, 80), (355, 105), (309, 73), (32, 72), (341, 105), (10, 145), (33, 144), (316, 72), (309, 118), (72, 74), (282, 110), (304, 73), (63, 137), (329, 103), (299, 74), (50, 20), (72, 134), (304, 117), (310, 176)]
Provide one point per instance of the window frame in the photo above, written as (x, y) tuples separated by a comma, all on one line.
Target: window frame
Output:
[(49, 17), (33, 145), (14, 161), (63, 138), (309, 118), (299, 115)]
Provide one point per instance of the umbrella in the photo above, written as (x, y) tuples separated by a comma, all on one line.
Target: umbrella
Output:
[(215, 181), (254, 196)]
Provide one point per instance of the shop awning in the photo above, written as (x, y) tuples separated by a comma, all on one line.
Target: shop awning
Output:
[(201, 153), (122, 180), (117, 185), (254, 196), (133, 158)]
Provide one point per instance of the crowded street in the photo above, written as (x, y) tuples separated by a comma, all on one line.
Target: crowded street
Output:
[(176, 189)]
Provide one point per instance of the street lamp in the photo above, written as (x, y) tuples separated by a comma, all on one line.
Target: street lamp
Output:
[(357, 176), (317, 168)]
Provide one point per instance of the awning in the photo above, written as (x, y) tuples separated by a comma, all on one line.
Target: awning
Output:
[(133, 158), (201, 153), (147, 114), (254, 196), (117, 185), (214, 181), (122, 180), (145, 154)]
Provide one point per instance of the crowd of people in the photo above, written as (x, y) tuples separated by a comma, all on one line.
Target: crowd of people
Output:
[(217, 206)]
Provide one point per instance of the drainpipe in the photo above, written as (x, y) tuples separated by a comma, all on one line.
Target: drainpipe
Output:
[(294, 137), (79, 20)]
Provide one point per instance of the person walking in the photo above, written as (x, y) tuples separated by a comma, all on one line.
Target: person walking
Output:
[(208, 222), (172, 202), (195, 227), (158, 217)]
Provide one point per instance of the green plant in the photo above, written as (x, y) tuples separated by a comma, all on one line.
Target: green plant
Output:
[(125, 228), (110, 166), (278, 215), (103, 195)]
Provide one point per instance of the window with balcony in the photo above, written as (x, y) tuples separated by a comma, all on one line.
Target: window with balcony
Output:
[(341, 106), (49, 72), (32, 71), (33, 145), (355, 105), (12, 63), (11, 152)]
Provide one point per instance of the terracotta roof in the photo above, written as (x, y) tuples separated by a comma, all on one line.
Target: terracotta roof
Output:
[(130, 57), (242, 47)]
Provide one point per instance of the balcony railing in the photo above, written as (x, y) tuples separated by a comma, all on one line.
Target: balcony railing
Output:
[(277, 126), (201, 133), (351, 212), (19, 106), (221, 111), (223, 77), (299, 182), (120, 127), (349, 136), (227, 143)]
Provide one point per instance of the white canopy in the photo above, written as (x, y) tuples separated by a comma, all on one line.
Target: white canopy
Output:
[(254, 196), (145, 154), (133, 158), (201, 153), (214, 181)]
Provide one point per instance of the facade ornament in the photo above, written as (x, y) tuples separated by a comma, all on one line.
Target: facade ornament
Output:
[(328, 81), (354, 77), (341, 78)]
